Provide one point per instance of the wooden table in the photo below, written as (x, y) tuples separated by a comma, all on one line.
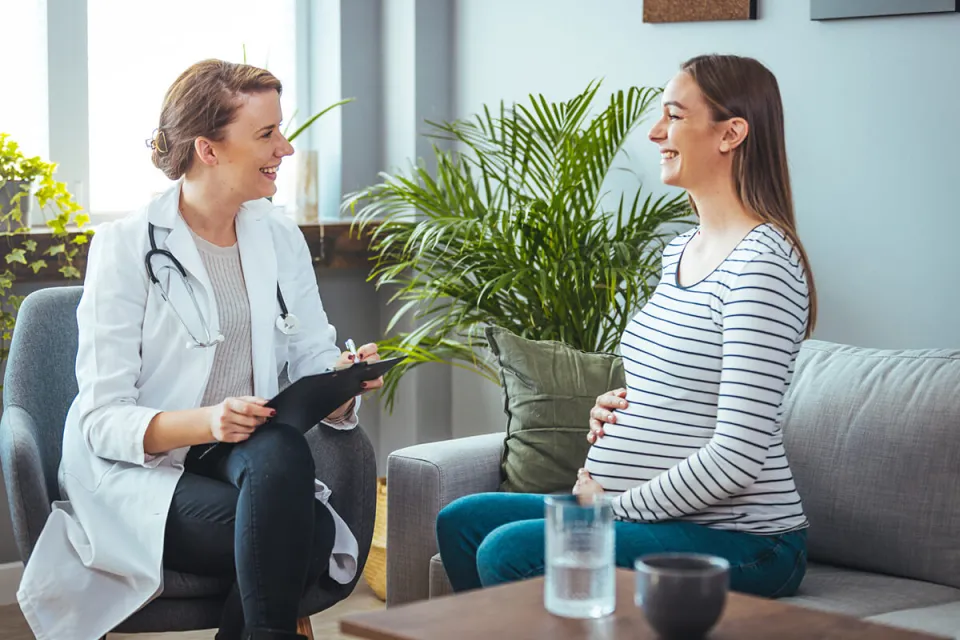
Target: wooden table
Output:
[(515, 611)]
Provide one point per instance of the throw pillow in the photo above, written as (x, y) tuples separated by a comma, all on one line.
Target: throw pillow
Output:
[(548, 390)]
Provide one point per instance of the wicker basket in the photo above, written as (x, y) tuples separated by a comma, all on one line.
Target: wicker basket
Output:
[(375, 571)]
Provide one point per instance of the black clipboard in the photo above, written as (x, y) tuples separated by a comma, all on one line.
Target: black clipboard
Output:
[(311, 398), (306, 402)]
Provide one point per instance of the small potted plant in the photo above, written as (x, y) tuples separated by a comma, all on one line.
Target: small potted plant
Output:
[(24, 179)]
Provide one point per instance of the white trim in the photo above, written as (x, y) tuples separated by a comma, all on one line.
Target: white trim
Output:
[(326, 68), (9, 582)]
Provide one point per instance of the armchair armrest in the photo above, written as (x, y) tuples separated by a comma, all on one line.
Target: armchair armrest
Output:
[(346, 462), (26, 483), (421, 480)]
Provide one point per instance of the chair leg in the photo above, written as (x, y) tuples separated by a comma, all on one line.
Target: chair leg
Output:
[(305, 628)]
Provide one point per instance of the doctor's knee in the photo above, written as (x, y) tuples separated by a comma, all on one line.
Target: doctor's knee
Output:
[(280, 452)]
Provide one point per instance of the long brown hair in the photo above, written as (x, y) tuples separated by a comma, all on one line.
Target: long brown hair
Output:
[(736, 86), (201, 102)]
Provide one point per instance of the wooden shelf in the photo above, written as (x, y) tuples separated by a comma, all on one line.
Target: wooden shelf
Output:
[(334, 246)]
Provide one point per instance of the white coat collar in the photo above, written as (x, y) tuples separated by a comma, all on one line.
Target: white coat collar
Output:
[(257, 255)]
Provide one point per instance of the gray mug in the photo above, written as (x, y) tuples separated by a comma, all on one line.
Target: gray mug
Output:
[(682, 594)]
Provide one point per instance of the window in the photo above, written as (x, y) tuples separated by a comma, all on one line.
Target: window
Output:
[(137, 49), (23, 109)]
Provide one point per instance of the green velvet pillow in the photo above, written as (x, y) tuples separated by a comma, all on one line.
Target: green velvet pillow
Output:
[(548, 389)]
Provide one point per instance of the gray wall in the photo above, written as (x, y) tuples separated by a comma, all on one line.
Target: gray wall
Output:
[(872, 133)]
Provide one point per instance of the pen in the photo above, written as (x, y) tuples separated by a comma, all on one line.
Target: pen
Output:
[(352, 348)]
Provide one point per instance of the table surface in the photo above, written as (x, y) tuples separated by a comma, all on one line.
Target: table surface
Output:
[(516, 611)]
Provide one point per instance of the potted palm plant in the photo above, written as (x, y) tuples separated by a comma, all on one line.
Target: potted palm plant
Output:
[(513, 228)]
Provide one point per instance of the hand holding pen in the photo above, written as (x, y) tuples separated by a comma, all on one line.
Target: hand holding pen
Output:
[(365, 353)]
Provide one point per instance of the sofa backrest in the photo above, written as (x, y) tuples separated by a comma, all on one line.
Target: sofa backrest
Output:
[(873, 437)]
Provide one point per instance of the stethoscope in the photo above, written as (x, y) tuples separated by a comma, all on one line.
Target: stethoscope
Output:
[(287, 322)]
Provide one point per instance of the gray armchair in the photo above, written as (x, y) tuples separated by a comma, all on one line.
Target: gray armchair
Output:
[(39, 386)]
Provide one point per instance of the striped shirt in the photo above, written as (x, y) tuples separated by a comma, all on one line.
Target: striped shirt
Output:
[(707, 367)]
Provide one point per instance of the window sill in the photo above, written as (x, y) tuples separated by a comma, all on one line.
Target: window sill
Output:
[(333, 246)]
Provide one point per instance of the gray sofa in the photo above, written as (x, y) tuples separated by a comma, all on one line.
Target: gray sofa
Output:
[(873, 437)]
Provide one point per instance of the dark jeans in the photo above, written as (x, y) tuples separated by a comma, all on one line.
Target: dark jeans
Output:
[(248, 511), (492, 538)]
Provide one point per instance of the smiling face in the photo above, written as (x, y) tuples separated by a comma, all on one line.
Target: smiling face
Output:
[(246, 160), (694, 148)]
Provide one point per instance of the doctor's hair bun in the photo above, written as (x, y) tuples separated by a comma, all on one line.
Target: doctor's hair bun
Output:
[(200, 103)]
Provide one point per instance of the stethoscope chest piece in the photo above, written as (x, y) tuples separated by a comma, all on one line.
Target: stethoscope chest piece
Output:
[(288, 324)]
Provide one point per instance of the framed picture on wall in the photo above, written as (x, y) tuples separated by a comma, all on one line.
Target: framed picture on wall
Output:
[(698, 10), (841, 9)]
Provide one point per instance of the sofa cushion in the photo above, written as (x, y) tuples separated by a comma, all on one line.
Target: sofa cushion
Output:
[(549, 389), (873, 437), (861, 594), (942, 620), (439, 582)]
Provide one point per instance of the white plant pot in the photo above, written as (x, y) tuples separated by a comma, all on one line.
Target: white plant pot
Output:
[(308, 198)]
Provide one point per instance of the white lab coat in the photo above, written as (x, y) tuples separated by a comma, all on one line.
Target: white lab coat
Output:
[(98, 558)]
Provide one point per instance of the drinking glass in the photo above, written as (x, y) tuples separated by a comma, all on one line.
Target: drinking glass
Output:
[(580, 579)]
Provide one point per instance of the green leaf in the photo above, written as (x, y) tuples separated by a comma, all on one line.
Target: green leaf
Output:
[(17, 255), (314, 117)]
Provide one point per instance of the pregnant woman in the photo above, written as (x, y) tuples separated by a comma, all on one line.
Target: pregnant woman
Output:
[(691, 453)]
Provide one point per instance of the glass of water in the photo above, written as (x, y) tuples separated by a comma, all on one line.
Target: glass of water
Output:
[(580, 580)]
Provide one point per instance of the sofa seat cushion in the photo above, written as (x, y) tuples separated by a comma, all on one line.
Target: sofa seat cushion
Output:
[(439, 583), (941, 620), (863, 594)]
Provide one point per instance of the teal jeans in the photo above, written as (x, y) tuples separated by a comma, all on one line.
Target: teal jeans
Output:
[(492, 538)]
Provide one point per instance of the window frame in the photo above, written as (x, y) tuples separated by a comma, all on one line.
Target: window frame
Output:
[(69, 98)]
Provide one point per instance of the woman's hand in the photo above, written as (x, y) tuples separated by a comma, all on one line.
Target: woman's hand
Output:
[(586, 485), (602, 412), (366, 353), (235, 419)]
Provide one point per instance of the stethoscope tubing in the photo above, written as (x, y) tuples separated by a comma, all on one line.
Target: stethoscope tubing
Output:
[(287, 322)]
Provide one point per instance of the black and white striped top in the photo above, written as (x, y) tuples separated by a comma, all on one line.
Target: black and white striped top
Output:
[(707, 367)]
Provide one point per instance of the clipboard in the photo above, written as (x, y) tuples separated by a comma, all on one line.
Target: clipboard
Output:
[(306, 402), (311, 398)]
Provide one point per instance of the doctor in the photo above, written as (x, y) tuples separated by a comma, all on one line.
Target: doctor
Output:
[(191, 308)]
